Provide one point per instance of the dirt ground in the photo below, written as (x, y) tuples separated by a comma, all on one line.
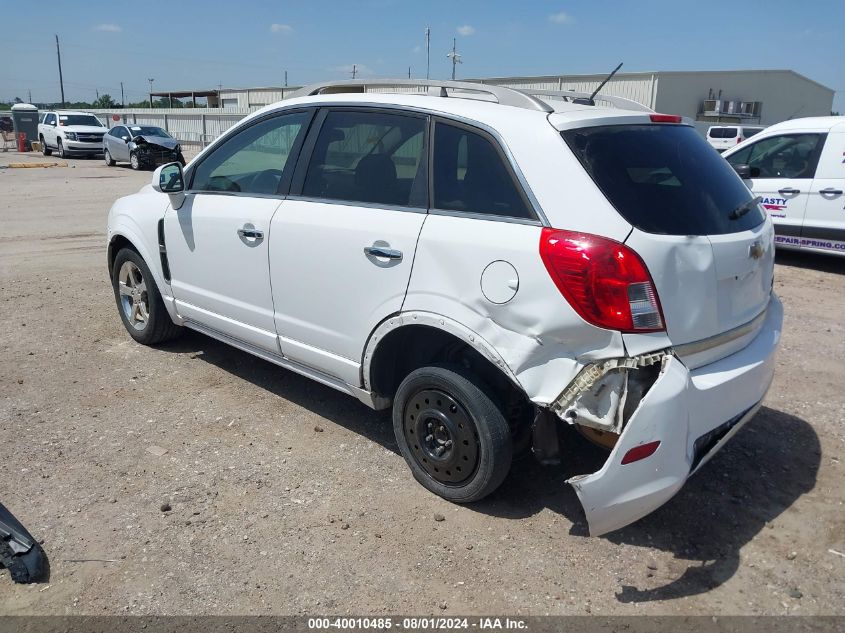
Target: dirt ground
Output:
[(290, 498)]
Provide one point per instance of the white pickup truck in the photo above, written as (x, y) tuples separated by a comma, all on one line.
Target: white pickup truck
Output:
[(70, 132)]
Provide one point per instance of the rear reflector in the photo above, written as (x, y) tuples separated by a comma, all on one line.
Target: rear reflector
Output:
[(605, 282), (666, 118), (640, 452)]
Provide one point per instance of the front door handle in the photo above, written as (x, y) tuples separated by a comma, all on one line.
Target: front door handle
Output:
[(830, 191), (251, 233), (789, 191), (382, 251)]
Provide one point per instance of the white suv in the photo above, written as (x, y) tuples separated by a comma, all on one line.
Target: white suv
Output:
[(493, 264), (69, 132)]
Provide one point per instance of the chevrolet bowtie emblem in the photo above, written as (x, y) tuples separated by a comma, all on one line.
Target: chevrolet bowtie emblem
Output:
[(756, 250)]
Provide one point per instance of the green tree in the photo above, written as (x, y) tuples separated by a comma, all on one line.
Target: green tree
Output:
[(104, 102)]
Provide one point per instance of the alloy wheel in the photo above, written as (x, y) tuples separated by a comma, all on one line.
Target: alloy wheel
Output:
[(134, 299)]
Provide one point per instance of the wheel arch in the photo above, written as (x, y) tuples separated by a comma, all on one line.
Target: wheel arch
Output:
[(405, 341)]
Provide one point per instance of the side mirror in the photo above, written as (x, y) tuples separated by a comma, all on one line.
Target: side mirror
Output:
[(743, 171), (169, 179), (125, 139)]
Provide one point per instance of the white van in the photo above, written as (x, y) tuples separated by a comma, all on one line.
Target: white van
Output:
[(724, 137), (798, 168)]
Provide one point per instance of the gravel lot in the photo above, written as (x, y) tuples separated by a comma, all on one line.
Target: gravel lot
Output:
[(287, 497)]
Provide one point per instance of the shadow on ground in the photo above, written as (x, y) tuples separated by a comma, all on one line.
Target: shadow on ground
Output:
[(760, 473), (813, 261)]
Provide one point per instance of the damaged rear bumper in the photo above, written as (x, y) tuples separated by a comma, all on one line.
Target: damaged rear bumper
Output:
[(692, 414)]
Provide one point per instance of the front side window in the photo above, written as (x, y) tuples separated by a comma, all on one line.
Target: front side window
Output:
[(252, 160), (470, 175), (785, 156), (748, 132), (370, 157), (50, 119)]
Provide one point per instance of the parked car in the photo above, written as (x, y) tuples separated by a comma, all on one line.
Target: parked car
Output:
[(493, 270), (798, 169), (724, 137), (70, 132), (142, 146)]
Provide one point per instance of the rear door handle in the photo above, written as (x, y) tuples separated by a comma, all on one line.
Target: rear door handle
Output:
[(251, 233), (788, 191), (381, 251), (830, 191)]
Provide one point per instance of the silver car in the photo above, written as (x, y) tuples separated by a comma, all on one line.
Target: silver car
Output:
[(142, 146)]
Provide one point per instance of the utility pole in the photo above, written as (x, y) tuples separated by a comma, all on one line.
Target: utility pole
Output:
[(122, 99), (61, 81), (97, 92), (220, 95), (354, 70), (409, 72), (454, 56), (30, 96), (427, 52), (286, 79), (151, 80)]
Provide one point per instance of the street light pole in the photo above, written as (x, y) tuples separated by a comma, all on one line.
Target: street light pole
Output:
[(151, 80)]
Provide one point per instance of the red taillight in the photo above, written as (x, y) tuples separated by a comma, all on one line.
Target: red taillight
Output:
[(738, 140), (604, 281), (666, 118), (640, 452)]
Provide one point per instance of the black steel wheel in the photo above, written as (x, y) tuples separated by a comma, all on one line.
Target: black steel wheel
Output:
[(453, 437)]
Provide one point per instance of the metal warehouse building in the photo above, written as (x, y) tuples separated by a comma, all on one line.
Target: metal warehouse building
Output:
[(760, 97), (754, 96)]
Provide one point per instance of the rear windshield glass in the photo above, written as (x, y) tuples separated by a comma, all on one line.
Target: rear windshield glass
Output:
[(79, 119), (722, 132), (664, 178)]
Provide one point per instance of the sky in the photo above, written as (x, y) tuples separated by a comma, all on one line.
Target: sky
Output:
[(194, 44)]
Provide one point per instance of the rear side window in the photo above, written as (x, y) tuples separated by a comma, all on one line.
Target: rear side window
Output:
[(723, 132), (371, 157), (470, 175), (784, 156), (664, 178)]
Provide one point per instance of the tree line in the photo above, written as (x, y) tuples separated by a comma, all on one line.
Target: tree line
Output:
[(105, 102)]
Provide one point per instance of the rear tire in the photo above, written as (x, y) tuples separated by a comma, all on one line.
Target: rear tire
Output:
[(139, 302), (107, 157), (46, 151), (453, 437)]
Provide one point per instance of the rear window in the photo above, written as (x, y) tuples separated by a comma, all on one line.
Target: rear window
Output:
[(722, 132), (664, 178)]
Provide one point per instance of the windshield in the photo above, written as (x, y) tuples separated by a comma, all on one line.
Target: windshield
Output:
[(664, 178), (147, 130), (79, 119)]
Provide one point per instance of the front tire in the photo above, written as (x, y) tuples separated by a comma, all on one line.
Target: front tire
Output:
[(61, 148), (139, 302), (453, 437), (109, 160), (46, 151), (135, 161)]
